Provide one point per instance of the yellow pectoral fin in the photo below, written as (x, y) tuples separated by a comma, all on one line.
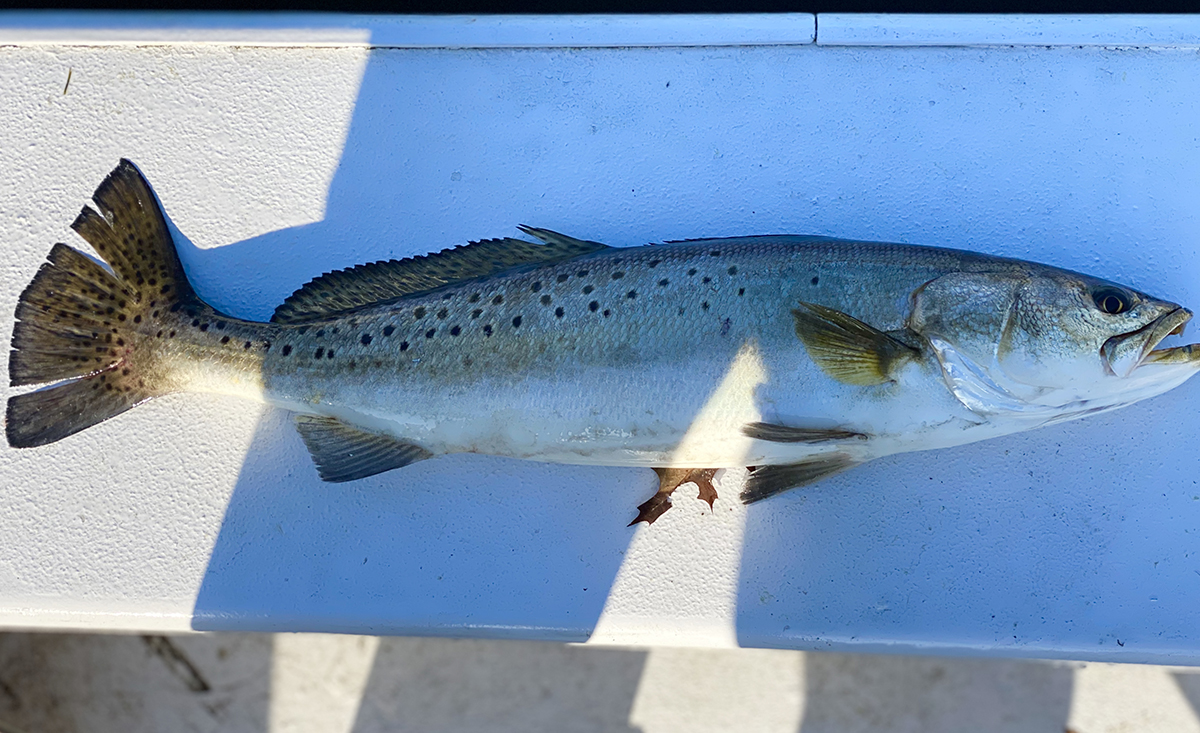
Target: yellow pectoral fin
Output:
[(847, 349)]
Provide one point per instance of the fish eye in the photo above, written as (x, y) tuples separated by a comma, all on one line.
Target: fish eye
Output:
[(1111, 301)]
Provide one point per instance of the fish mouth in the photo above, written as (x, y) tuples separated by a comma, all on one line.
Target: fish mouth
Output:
[(1125, 353)]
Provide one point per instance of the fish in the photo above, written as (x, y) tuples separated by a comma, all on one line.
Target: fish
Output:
[(798, 357)]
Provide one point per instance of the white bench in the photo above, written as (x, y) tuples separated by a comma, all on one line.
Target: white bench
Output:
[(286, 146)]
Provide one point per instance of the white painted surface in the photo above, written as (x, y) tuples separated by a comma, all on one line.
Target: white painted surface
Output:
[(406, 31), (872, 29), (277, 164)]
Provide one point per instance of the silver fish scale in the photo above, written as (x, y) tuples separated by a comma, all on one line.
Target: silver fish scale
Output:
[(617, 308)]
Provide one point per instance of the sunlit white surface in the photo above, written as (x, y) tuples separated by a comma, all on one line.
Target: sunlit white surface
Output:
[(277, 164)]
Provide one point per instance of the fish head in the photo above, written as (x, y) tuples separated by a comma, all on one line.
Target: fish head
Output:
[(1050, 343)]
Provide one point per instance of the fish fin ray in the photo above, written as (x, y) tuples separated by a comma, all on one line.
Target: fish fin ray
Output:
[(847, 349), (775, 433), (345, 453), (50, 414), (340, 292), (767, 481), (79, 321)]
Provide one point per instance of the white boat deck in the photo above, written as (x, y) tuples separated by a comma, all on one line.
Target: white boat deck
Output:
[(285, 146)]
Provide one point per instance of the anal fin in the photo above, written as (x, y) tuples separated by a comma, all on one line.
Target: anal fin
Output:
[(346, 453), (670, 479), (767, 481)]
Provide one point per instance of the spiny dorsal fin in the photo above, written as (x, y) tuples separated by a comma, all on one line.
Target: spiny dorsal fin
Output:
[(767, 481), (345, 453), (847, 349), (339, 291)]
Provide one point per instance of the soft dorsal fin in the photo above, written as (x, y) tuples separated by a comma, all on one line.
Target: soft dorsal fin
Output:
[(345, 453), (344, 290), (847, 349)]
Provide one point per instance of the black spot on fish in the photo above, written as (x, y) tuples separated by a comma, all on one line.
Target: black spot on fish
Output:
[(477, 313), (681, 310), (366, 339), (815, 280), (498, 300), (171, 335), (715, 253), (287, 349), (329, 354), (607, 313), (692, 271), (203, 326), (303, 330), (704, 305), (474, 298), (220, 325), (558, 312), (404, 346), (588, 290), (741, 291), (594, 306), (335, 330), (545, 300), (353, 363), (732, 270), (664, 282), (536, 286), (631, 294), (487, 330), (655, 263), (137, 319), (563, 278), (516, 322), (389, 330), (707, 279), (321, 333), (618, 275), (175, 307), (158, 335), (224, 339), (319, 353), (455, 331), (195, 321), (581, 273), (447, 296), (244, 346), (429, 334), (419, 312)]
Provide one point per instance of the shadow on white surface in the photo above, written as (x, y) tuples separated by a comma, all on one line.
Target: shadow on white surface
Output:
[(1189, 685), (431, 686), (1069, 541), (852, 693)]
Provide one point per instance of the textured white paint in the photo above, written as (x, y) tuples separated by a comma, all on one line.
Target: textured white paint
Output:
[(872, 29), (278, 164), (411, 31)]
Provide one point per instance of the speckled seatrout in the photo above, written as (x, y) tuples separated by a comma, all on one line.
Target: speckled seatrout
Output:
[(798, 356)]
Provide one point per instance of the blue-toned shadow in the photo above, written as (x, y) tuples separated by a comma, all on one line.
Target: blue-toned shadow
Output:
[(457, 545)]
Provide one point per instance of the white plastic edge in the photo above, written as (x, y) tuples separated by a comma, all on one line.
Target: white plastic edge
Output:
[(838, 29), (413, 31)]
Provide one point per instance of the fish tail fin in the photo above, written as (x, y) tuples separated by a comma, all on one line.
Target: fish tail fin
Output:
[(78, 321)]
